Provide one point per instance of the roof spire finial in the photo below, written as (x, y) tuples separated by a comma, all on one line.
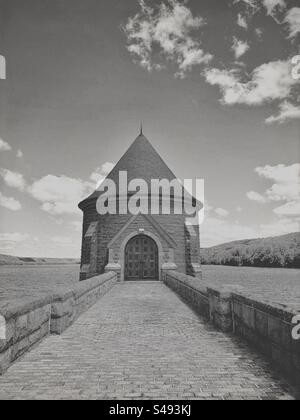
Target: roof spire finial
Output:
[(141, 132)]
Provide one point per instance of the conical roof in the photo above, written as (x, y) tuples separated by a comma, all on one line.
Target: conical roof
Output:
[(141, 161)]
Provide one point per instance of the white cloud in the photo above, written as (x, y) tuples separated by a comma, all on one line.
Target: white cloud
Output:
[(4, 146), (287, 112), (292, 19), (60, 194), (226, 79), (168, 30), (289, 209), (283, 191), (10, 203), (239, 48), (286, 180), (107, 167), (20, 154), (269, 82), (255, 196), (273, 6), (251, 5), (285, 188), (100, 173), (280, 173), (222, 212), (242, 21), (13, 179)]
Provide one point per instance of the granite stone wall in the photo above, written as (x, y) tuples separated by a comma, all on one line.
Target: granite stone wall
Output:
[(266, 327), (26, 322), (67, 307), (190, 290)]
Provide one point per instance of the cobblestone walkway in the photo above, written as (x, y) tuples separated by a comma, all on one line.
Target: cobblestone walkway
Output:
[(141, 341)]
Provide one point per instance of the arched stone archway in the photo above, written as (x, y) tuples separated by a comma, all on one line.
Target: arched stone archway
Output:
[(129, 237), (165, 246)]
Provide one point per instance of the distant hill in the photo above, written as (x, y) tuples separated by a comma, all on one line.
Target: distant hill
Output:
[(11, 260), (280, 251)]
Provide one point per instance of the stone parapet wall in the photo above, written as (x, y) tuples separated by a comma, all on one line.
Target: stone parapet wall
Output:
[(220, 308), (190, 289), (267, 327), (26, 322), (67, 307)]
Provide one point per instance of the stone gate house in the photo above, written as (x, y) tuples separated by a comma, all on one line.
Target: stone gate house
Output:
[(138, 247)]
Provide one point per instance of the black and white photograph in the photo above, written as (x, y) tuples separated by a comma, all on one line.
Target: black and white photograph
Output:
[(150, 203)]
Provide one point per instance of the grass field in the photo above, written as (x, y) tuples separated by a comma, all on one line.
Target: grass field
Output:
[(278, 285), (31, 281), (272, 284)]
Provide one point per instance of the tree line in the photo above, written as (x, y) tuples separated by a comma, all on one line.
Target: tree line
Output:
[(271, 252)]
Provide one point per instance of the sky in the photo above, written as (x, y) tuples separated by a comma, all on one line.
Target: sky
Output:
[(211, 80)]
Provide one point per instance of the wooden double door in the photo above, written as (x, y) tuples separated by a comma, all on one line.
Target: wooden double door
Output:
[(141, 259)]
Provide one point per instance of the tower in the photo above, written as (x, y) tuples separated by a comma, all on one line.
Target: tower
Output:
[(138, 246)]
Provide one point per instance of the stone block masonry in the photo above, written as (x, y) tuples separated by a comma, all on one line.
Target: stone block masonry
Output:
[(67, 307), (220, 308), (141, 342), (27, 321), (190, 289), (267, 327)]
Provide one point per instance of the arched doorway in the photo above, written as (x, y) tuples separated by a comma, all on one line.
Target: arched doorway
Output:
[(141, 259)]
